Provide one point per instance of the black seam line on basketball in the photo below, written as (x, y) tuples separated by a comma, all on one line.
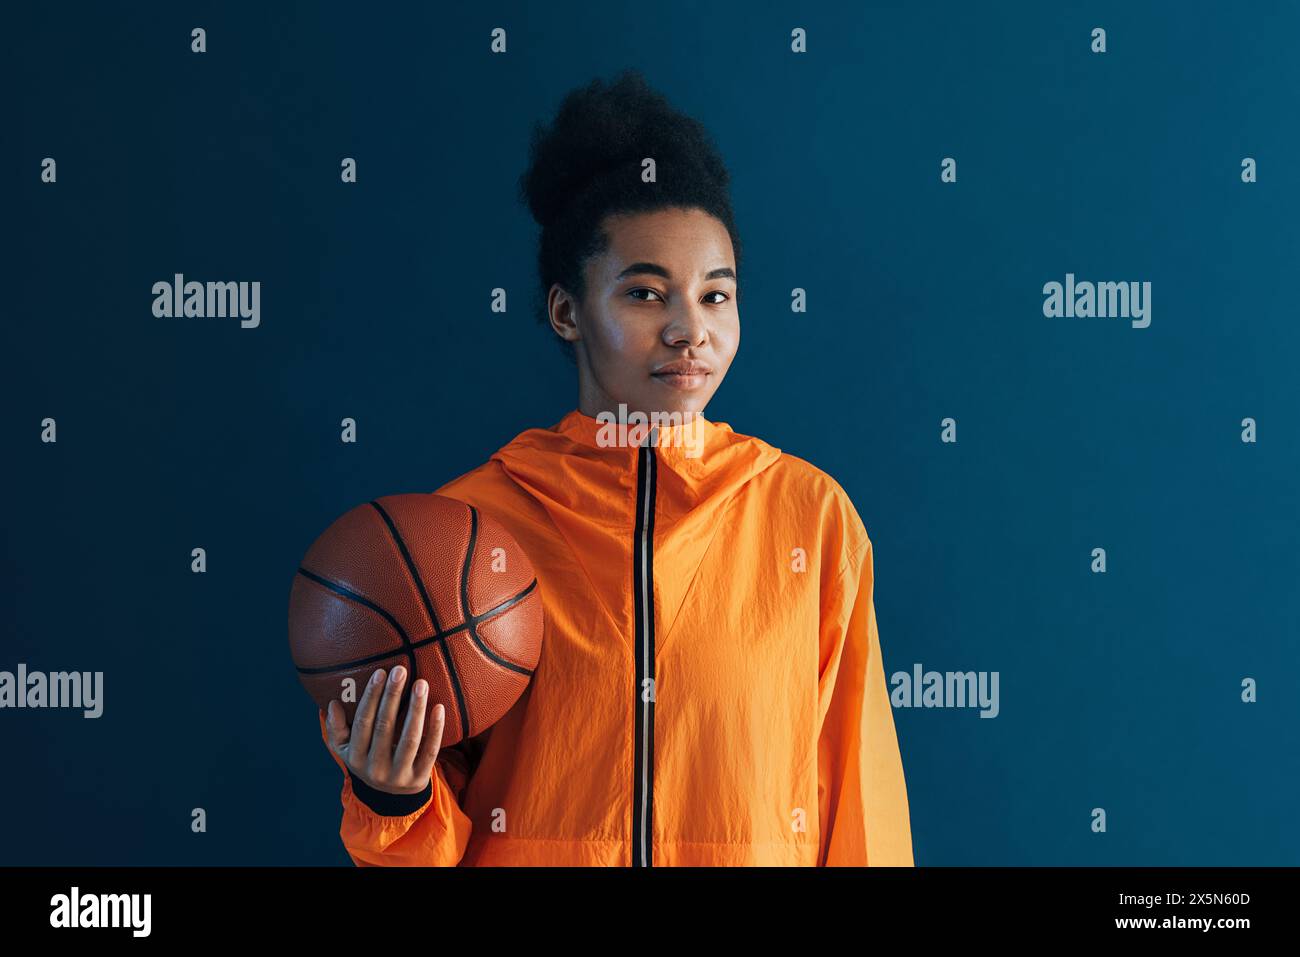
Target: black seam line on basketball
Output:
[(406, 649), (419, 643), (469, 620), (348, 593), (476, 620), (419, 584), (410, 565), (455, 687)]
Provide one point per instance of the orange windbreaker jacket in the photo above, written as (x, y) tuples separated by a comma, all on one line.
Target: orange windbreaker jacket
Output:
[(710, 689)]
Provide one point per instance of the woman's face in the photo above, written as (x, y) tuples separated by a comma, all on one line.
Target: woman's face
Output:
[(663, 293)]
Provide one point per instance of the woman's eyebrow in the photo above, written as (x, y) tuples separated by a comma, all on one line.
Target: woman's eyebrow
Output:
[(654, 269)]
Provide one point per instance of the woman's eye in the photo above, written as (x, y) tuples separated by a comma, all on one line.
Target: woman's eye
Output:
[(650, 292)]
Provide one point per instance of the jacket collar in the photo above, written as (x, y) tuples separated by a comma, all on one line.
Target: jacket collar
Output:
[(573, 459), (677, 436)]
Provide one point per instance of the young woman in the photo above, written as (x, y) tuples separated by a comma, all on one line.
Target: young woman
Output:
[(710, 689)]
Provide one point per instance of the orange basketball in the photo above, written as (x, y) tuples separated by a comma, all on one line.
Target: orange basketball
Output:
[(424, 581)]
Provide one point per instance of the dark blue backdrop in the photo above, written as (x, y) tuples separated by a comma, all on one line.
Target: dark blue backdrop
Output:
[(1119, 690)]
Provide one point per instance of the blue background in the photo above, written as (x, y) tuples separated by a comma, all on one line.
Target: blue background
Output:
[(1119, 691)]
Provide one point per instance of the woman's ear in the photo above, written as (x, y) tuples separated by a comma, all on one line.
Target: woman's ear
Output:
[(562, 311)]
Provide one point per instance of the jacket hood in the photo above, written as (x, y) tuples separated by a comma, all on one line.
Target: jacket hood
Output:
[(584, 473)]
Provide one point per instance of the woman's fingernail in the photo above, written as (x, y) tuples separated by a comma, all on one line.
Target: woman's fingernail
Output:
[(398, 674), (377, 677), (420, 686)]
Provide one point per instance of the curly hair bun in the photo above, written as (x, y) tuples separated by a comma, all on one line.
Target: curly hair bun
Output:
[(605, 128)]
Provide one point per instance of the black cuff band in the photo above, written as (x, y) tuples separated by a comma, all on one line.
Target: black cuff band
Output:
[(389, 805)]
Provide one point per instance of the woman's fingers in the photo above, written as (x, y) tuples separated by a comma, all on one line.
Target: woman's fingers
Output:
[(381, 744), (431, 744), (336, 727), (412, 730), (363, 722)]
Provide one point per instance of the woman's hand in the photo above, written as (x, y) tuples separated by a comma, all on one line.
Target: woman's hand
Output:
[(368, 751)]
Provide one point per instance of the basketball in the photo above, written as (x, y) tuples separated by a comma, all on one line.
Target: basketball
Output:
[(424, 581)]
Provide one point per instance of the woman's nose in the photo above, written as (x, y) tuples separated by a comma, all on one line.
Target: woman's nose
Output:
[(688, 328)]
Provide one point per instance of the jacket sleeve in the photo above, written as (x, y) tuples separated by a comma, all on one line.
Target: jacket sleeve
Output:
[(861, 792), (429, 829)]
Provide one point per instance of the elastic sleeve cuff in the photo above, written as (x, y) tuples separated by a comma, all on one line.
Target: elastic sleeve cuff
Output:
[(386, 804)]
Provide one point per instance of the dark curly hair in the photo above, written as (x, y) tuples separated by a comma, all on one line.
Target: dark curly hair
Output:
[(587, 165)]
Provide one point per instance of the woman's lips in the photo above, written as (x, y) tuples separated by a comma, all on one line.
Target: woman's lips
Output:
[(676, 380)]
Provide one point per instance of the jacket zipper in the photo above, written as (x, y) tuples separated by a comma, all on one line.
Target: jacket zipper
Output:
[(643, 586)]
